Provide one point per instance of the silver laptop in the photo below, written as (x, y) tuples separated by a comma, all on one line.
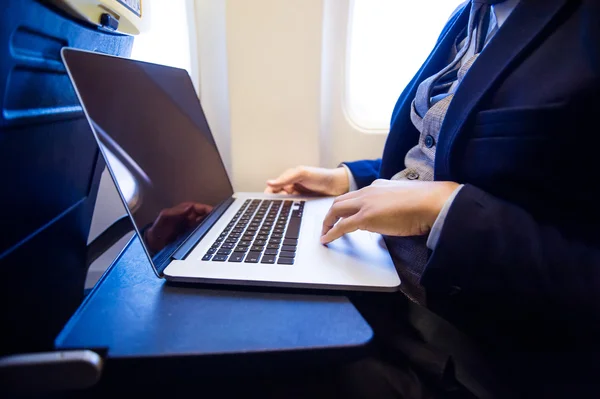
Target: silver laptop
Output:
[(160, 152)]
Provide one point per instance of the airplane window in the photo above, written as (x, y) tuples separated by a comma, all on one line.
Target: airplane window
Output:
[(388, 42)]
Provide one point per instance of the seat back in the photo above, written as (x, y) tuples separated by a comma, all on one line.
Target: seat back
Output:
[(50, 168)]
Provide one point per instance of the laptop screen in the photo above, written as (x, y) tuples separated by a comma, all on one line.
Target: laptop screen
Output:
[(156, 142)]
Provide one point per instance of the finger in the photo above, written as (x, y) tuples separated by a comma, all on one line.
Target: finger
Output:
[(177, 211), (202, 209), (299, 189), (289, 189), (290, 176), (292, 190), (181, 207), (340, 210), (344, 226), (270, 190)]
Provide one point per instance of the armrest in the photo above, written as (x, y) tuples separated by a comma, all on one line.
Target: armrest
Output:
[(50, 371)]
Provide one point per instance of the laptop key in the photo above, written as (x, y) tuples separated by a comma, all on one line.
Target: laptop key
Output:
[(257, 248), (237, 257), (228, 245), (211, 251), (285, 261), (223, 251), (293, 228), (207, 257), (273, 246), (290, 241), (219, 258), (271, 252), (245, 243), (288, 248), (284, 254), (262, 237), (276, 235), (241, 249), (268, 259), (252, 257), (260, 242)]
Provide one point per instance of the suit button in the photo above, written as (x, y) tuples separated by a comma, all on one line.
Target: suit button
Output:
[(429, 141), (412, 176)]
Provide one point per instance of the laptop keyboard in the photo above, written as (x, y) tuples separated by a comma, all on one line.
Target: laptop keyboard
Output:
[(262, 231)]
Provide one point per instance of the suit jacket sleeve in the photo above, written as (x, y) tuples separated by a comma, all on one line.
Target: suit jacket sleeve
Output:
[(364, 172), (500, 263)]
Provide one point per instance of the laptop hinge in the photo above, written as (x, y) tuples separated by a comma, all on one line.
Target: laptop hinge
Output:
[(186, 247)]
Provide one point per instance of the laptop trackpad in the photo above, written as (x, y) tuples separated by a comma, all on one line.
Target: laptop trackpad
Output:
[(363, 245), (359, 248)]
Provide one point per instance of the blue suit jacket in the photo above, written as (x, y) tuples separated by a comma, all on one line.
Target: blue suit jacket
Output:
[(518, 260)]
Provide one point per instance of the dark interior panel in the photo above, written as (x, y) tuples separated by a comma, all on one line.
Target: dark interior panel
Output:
[(50, 172)]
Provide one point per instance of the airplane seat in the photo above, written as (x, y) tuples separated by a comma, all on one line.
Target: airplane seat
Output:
[(50, 167)]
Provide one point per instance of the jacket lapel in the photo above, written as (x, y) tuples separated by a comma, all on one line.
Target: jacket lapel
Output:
[(516, 36)]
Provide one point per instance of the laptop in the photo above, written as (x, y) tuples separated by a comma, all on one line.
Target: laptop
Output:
[(163, 159)]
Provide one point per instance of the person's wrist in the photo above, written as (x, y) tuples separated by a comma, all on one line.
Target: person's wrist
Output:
[(439, 196), (340, 183)]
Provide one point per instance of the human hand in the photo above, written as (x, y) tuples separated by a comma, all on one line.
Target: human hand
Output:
[(395, 208), (172, 222), (310, 180)]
